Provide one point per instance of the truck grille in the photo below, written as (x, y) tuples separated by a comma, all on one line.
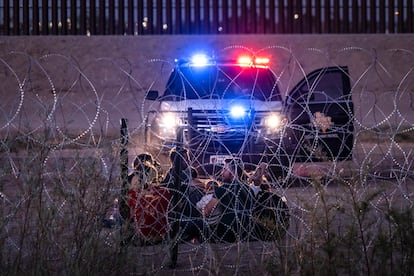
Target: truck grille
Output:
[(221, 122)]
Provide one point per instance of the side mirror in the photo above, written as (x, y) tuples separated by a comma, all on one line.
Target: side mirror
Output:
[(151, 95)]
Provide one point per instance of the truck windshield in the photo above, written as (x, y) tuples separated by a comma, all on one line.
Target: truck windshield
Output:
[(222, 82)]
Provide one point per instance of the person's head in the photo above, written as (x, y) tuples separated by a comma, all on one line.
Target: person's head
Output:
[(142, 160), (182, 154), (144, 177), (233, 169)]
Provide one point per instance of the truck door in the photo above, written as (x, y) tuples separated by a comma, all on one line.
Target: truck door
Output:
[(320, 112)]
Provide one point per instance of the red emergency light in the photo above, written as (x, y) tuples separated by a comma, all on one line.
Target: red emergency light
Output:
[(248, 61)]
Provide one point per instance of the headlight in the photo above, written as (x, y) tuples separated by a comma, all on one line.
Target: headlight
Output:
[(168, 124), (169, 120), (274, 122)]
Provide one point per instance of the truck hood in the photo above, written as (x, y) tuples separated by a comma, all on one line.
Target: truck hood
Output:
[(201, 104)]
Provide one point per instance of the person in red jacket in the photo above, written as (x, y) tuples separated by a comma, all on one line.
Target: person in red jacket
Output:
[(148, 203)]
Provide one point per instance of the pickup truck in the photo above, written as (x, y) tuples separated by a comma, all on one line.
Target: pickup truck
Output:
[(220, 108)]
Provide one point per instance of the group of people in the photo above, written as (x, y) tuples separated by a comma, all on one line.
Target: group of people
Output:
[(232, 207)]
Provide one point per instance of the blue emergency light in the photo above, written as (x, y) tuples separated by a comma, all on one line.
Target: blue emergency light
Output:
[(238, 112)]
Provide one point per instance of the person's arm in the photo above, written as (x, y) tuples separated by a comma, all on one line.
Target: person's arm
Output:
[(208, 209), (206, 204), (134, 183)]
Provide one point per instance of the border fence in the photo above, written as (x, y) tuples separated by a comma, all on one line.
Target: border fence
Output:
[(148, 17)]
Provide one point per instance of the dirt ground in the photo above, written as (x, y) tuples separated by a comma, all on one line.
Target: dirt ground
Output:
[(380, 169)]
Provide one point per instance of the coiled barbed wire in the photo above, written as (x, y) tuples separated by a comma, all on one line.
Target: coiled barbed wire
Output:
[(46, 121)]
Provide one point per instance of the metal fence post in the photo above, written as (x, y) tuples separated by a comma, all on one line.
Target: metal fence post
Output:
[(123, 208), (175, 200)]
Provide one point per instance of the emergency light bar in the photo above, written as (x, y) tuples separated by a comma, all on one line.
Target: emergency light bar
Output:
[(245, 61), (256, 62)]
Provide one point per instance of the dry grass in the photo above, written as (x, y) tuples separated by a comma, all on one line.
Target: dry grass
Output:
[(51, 200)]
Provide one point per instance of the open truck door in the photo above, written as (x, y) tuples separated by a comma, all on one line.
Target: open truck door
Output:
[(320, 112)]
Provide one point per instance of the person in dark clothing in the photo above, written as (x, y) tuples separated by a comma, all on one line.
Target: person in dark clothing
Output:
[(190, 193), (191, 222), (236, 200)]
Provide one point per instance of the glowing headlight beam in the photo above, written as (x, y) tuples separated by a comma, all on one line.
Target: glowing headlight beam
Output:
[(170, 121), (273, 121)]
